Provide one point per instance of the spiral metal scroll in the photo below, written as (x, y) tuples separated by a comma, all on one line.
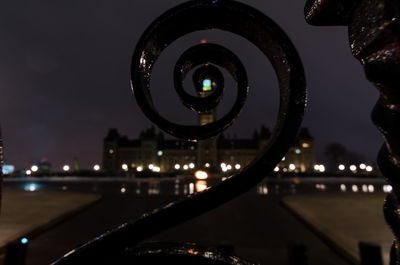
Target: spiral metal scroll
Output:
[(242, 20), (374, 33)]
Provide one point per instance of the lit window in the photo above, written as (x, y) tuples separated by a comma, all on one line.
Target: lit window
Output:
[(305, 145), (207, 85)]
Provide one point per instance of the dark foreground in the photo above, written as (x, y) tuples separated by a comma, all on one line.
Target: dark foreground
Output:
[(256, 225)]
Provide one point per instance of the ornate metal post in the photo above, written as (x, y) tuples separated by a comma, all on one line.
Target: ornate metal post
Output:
[(260, 30), (374, 34)]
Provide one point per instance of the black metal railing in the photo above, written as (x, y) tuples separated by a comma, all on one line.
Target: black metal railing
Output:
[(113, 247), (374, 35)]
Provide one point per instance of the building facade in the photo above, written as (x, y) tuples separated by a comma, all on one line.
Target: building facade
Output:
[(217, 154), (151, 151)]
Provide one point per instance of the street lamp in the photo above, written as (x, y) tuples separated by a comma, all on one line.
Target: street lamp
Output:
[(341, 167), (65, 168), (96, 167), (200, 174), (125, 167), (34, 168)]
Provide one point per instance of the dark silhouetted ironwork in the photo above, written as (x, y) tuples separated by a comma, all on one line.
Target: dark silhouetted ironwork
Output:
[(260, 30), (374, 34)]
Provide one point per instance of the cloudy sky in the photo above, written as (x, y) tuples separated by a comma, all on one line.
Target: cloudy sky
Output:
[(64, 78)]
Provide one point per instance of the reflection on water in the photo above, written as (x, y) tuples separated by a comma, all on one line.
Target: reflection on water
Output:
[(201, 185), (262, 189), (187, 186), (31, 187), (154, 188), (191, 188)]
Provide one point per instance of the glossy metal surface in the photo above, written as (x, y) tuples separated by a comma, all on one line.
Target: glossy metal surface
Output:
[(374, 32), (256, 27)]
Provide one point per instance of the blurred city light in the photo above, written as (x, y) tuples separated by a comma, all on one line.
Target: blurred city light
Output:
[(353, 168), (362, 166), (65, 167), (125, 167), (342, 167), (237, 166), (34, 168), (369, 168), (177, 166), (201, 185), (139, 169), (200, 174), (28, 172), (31, 187), (96, 167)]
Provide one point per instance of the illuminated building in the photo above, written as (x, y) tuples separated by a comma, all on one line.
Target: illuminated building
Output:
[(172, 155), (152, 152)]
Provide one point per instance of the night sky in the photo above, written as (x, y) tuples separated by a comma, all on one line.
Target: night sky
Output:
[(65, 79)]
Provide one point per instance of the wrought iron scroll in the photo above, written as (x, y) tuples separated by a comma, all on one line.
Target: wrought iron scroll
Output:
[(260, 30), (374, 34)]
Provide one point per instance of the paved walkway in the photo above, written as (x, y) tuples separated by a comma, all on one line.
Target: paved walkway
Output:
[(26, 214), (345, 219)]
